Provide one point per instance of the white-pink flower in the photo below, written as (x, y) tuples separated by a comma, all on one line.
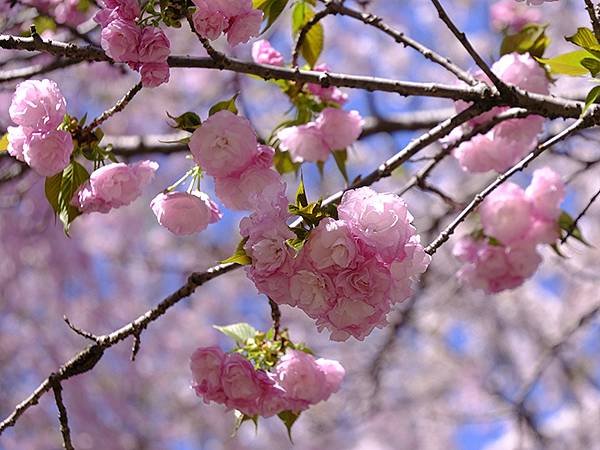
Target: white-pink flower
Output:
[(185, 213), (38, 104), (224, 145), (304, 143), (340, 128)]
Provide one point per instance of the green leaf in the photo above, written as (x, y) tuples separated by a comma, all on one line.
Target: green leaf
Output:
[(283, 162), (584, 38), (44, 23), (288, 418), (341, 157), (591, 98), (4, 143), (301, 199), (568, 63), (591, 64), (52, 189), (73, 177), (240, 256), (239, 332), (273, 11), (567, 225), (531, 39), (240, 418), (188, 121), (228, 105), (312, 46), (557, 250)]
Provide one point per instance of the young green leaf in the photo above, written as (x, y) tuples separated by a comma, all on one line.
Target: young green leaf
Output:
[(239, 332), (340, 157), (288, 418), (531, 39), (568, 226), (591, 98), (312, 46), (301, 199), (52, 189), (568, 63), (239, 257), (584, 38), (228, 105), (188, 121), (4, 143)]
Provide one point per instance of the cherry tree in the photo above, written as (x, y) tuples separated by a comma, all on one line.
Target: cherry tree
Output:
[(352, 223)]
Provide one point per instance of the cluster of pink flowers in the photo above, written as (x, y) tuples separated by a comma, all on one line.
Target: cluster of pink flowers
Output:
[(143, 49), (38, 108), (518, 220), (185, 213), (226, 148), (349, 272), (297, 381), (333, 129), (236, 18), (264, 53), (511, 16), (113, 186), (509, 141)]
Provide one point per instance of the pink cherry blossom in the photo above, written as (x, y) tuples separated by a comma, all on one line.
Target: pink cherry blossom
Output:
[(264, 53), (245, 191), (114, 185), (185, 213), (311, 291), (301, 378), (154, 46), (38, 104), (48, 152), (154, 74), (330, 94), (242, 384), (207, 368), (16, 140), (304, 142), (120, 39), (340, 128), (244, 27), (506, 213), (546, 192), (332, 245), (224, 145)]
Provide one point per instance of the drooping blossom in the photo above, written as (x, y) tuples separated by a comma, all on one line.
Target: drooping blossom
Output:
[(185, 213)]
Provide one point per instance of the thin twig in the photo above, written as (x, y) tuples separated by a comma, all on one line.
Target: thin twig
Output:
[(575, 223), (119, 106), (62, 417)]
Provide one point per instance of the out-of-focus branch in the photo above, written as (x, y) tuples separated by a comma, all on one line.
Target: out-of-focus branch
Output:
[(462, 38), (575, 223), (337, 7), (589, 6)]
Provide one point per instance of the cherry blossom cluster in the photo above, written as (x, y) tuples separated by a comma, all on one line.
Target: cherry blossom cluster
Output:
[(509, 141), (349, 272), (296, 382), (144, 49), (515, 222), (38, 108), (333, 129), (113, 186), (236, 18), (264, 53)]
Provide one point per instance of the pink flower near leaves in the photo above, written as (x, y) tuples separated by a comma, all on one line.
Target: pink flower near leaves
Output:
[(38, 104), (546, 192), (114, 185), (332, 246), (506, 214), (506, 14), (246, 191), (185, 213), (16, 140), (120, 40), (340, 128), (154, 46), (224, 145), (207, 370), (244, 27), (48, 152), (304, 142), (301, 378)]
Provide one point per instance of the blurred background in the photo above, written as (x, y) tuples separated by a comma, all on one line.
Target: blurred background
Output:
[(455, 369)]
